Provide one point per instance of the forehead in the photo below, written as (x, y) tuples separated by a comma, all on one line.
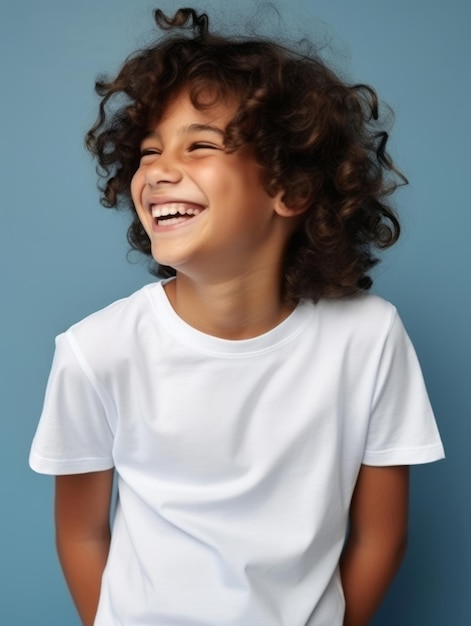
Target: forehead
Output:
[(207, 108)]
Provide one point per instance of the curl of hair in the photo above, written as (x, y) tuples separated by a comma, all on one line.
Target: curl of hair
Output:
[(317, 139)]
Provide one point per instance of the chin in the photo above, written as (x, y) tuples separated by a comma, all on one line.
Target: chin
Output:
[(169, 263)]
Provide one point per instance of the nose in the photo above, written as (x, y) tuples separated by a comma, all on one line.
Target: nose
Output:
[(163, 169)]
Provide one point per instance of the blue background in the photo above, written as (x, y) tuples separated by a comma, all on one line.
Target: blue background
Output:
[(63, 256)]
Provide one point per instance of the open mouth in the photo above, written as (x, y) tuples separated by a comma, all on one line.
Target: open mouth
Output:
[(174, 213)]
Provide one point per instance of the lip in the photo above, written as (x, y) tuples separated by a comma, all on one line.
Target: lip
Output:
[(153, 202), (160, 200)]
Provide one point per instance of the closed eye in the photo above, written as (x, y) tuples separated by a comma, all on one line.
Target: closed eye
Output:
[(149, 151), (201, 145)]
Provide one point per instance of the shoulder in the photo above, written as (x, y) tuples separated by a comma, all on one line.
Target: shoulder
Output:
[(121, 313), (113, 332), (356, 329), (359, 304), (351, 330), (366, 313)]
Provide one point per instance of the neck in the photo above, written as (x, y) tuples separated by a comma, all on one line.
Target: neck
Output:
[(237, 308)]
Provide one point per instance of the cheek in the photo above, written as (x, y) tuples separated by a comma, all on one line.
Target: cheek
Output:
[(136, 186), (136, 191)]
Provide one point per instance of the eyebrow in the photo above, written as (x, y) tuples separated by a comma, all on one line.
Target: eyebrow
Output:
[(192, 128), (198, 128)]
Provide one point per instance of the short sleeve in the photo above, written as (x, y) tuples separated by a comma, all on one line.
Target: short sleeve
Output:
[(402, 428), (74, 433)]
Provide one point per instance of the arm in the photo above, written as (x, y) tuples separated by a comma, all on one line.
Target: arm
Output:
[(82, 508), (377, 539)]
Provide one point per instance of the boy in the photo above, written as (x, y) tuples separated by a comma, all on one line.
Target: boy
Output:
[(256, 401)]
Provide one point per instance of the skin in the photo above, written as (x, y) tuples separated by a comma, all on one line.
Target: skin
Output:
[(372, 554), (228, 258), (377, 540), (228, 261), (82, 512)]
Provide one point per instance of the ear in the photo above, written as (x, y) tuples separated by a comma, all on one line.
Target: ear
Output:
[(284, 210)]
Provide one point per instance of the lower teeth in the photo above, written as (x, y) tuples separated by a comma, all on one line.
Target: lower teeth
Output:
[(171, 221)]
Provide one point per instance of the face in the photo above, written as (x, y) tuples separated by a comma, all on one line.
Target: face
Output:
[(205, 210)]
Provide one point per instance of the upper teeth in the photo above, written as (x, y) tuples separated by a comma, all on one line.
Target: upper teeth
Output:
[(175, 208)]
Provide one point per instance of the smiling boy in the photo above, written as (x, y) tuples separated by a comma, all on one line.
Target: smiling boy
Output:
[(256, 402), (228, 250)]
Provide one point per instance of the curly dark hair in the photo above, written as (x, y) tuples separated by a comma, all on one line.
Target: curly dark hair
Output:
[(316, 139)]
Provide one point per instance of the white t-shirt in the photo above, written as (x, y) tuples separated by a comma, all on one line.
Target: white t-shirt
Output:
[(236, 460)]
